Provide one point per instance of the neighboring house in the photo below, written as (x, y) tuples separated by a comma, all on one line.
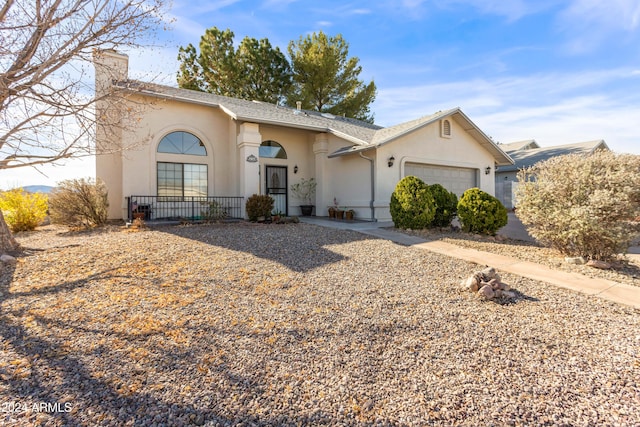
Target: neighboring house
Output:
[(194, 148), (527, 144), (528, 153)]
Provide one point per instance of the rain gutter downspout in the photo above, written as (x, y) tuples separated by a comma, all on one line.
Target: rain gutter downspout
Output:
[(373, 188)]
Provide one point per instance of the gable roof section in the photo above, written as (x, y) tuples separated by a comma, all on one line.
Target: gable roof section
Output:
[(527, 144), (354, 131), (526, 158), (387, 135), (363, 135)]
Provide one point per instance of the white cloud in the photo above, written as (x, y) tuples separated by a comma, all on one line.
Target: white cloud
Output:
[(589, 23), (512, 10), (610, 15), (552, 108)]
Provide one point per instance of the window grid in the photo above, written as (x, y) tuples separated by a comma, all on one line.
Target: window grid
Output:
[(182, 143), (272, 150), (182, 180)]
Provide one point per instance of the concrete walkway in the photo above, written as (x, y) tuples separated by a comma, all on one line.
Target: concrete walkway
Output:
[(612, 291)]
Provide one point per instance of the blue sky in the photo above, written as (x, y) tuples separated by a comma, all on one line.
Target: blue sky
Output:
[(555, 71)]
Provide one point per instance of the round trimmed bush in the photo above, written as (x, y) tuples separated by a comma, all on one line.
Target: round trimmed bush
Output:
[(446, 205), (412, 206), (480, 212)]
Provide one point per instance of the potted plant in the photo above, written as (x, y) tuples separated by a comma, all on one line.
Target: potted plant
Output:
[(277, 216), (305, 190), (333, 209), (349, 214)]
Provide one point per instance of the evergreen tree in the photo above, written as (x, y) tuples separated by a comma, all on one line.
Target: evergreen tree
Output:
[(326, 79), (255, 71)]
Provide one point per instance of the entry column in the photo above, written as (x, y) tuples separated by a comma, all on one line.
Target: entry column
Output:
[(320, 149), (249, 140)]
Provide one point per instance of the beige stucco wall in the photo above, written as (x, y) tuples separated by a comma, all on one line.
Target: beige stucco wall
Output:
[(349, 181), (298, 145), (210, 125), (426, 145), (229, 143), (109, 65)]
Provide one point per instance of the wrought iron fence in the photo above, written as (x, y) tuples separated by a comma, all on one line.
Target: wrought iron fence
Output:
[(175, 208)]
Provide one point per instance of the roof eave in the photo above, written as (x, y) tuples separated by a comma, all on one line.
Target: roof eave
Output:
[(234, 116), (353, 150), (501, 158)]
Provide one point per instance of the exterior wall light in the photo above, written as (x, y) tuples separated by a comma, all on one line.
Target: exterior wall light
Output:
[(487, 171), (390, 161), (295, 169)]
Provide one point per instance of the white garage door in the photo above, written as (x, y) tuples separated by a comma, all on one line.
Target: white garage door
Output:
[(456, 180)]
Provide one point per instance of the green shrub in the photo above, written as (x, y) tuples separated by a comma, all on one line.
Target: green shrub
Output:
[(480, 212), (412, 205), (582, 205), (446, 205), (305, 190), (259, 205), (79, 203), (23, 211)]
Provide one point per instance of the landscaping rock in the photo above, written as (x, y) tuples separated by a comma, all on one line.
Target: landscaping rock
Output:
[(486, 292), (488, 285), (575, 260), (8, 259), (471, 284), (602, 265)]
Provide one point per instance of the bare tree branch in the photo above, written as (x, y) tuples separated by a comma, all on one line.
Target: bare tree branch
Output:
[(48, 105), (47, 110)]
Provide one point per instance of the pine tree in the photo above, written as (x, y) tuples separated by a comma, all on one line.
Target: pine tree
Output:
[(326, 79)]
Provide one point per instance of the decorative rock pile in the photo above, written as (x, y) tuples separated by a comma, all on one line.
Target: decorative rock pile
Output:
[(488, 285)]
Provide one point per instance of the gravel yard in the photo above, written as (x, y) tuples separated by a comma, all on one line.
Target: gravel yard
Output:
[(252, 324)]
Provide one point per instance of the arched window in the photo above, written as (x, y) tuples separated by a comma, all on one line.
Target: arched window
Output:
[(182, 143), (446, 128), (272, 150), (177, 179)]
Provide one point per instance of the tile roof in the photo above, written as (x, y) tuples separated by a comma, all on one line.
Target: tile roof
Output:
[(527, 144), (355, 131), (529, 157), (386, 135), (363, 135)]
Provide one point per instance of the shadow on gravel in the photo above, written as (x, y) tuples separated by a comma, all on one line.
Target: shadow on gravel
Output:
[(80, 397), (63, 287), (299, 247), (53, 384), (519, 297)]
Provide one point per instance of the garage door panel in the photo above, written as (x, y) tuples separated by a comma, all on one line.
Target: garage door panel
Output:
[(454, 179)]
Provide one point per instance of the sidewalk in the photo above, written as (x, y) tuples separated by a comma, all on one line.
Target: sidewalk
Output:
[(612, 291)]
